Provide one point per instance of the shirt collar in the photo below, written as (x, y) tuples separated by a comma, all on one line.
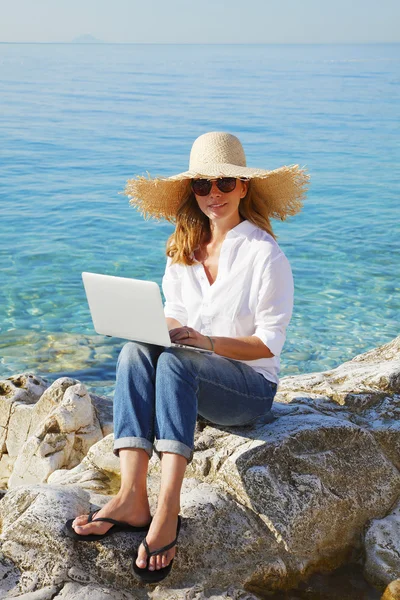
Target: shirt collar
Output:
[(244, 229)]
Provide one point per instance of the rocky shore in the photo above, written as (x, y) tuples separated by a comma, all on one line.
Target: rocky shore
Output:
[(308, 490)]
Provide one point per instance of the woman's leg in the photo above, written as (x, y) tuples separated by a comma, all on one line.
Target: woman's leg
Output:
[(131, 504), (134, 397), (134, 406), (175, 421), (231, 393), (224, 391), (164, 524), (228, 392)]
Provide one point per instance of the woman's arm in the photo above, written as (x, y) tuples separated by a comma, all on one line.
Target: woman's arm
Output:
[(172, 323), (241, 348)]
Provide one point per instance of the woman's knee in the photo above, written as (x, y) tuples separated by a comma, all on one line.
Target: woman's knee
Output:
[(177, 361), (131, 352)]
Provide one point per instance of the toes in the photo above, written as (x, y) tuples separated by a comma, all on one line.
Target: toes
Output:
[(81, 520), (87, 528), (82, 528), (152, 563), (141, 560)]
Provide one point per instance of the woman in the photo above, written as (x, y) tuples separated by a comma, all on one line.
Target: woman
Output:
[(228, 288)]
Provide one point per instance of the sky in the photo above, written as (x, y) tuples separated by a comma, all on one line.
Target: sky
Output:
[(202, 21)]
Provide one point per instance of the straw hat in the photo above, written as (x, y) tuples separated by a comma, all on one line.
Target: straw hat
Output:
[(214, 155)]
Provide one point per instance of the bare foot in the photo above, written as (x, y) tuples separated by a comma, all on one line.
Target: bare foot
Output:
[(129, 509), (161, 533)]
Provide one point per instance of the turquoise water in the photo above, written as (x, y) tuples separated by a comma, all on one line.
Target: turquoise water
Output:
[(77, 120)]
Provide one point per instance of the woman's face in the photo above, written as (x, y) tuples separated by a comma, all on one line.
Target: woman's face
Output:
[(222, 205)]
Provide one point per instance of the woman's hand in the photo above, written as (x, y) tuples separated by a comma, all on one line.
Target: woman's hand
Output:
[(242, 348), (189, 337)]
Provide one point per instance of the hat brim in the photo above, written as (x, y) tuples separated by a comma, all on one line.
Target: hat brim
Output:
[(283, 189), (222, 170)]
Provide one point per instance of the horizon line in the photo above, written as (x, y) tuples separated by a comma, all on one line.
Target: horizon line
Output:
[(73, 43)]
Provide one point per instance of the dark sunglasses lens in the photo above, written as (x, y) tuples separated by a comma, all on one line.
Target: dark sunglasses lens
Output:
[(201, 187), (226, 184)]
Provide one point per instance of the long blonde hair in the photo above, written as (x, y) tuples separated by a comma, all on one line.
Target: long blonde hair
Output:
[(192, 228)]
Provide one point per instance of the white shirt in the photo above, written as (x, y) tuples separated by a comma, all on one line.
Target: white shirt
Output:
[(252, 294)]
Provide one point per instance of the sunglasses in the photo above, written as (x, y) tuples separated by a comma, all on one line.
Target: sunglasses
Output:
[(202, 187)]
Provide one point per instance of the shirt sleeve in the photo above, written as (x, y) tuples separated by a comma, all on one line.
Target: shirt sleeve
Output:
[(275, 304), (172, 289)]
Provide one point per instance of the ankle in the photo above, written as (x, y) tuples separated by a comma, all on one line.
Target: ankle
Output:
[(129, 494), (168, 507)]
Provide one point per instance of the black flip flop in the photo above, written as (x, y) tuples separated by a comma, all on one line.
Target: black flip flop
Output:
[(147, 576), (93, 537)]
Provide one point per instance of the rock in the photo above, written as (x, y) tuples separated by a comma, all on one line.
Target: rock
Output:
[(364, 390), (297, 497), (32, 520), (354, 383), (392, 591), (99, 471), (312, 479), (46, 593), (47, 428), (280, 500), (74, 591), (198, 592), (25, 387), (382, 549), (17, 395), (31, 527), (314, 483), (104, 410), (9, 576)]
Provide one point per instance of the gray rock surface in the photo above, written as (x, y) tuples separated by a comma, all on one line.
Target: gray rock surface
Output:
[(382, 549), (263, 507), (10, 576)]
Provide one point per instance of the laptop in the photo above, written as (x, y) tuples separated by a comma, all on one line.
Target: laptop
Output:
[(130, 309)]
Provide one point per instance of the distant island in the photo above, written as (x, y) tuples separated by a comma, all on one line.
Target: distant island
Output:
[(86, 39)]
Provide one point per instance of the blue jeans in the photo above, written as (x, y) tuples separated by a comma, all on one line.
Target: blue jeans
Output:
[(159, 392)]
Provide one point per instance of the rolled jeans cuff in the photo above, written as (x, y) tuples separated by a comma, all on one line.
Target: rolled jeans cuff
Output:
[(133, 442), (174, 447)]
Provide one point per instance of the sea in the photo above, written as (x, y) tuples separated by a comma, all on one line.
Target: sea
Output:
[(78, 120)]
